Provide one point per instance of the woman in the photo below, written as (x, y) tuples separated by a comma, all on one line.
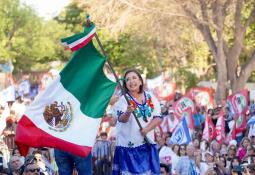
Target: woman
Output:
[(182, 150), (176, 149), (242, 150), (132, 154)]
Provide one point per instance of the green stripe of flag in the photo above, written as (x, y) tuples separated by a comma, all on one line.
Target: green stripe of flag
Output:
[(83, 76), (78, 36)]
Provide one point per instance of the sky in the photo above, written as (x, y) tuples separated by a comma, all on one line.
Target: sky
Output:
[(47, 8)]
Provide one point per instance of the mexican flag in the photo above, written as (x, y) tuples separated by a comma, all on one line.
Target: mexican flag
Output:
[(67, 114)]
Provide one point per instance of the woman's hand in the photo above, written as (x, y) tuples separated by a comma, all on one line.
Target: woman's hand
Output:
[(130, 108), (144, 131), (125, 116)]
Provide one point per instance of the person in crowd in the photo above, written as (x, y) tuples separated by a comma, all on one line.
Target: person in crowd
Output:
[(250, 151), (167, 156), (204, 147), (241, 152), (15, 152), (47, 158), (231, 152), (165, 152), (209, 159), (198, 118), (172, 120), (31, 169), (168, 138), (130, 138), (229, 119), (220, 165), (16, 165), (38, 160), (182, 150), (164, 170), (215, 147), (196, 143), (252, 138), (200, 165), (176, 149), (42, 162), (102, 154), (67, 162), (236, 167), (9, 132), (187, 164), (33, 165)]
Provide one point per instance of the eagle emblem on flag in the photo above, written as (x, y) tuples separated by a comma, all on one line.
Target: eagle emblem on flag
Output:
[(58, 116)]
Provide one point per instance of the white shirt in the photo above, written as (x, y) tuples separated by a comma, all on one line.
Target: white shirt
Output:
[(128, 134)]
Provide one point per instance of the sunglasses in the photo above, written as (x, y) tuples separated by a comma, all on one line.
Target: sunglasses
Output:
[(37, 170)]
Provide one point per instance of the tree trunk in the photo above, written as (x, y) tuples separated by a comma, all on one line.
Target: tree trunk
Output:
[(239, 84), (222, 79), (245, 73)]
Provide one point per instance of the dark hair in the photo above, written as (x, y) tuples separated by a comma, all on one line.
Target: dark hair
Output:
[(181, 146), (103, 134), (13, 151), (165, 167), (235, 158), (37, 152), (210, 111), (139, 76), (224, 161), (177, 96), (174, 145)]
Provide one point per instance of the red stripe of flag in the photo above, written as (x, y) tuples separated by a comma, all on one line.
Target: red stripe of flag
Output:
[(29, 135)]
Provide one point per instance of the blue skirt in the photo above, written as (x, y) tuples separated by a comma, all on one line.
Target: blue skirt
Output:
[(141, 160)]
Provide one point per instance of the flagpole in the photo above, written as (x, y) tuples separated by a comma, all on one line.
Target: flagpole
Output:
[(117, 79)]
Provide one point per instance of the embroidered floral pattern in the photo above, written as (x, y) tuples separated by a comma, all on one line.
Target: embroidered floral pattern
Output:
[(130, 144), (142, 110), (119, 113)]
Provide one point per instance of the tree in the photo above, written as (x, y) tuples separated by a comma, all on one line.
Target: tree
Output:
[(125, 50), (225, 26), (27, 40), (225, 34)]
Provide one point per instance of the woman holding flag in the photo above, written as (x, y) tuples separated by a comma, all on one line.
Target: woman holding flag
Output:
[(133, 155)]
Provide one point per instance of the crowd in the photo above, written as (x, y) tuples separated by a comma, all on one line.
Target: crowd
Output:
[(203, 156)]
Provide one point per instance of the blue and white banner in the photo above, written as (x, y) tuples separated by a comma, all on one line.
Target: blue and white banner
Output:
[(251, 121), (181, 134)]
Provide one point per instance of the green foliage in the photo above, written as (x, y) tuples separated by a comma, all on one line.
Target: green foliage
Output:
[(185, 78), (27, 40), (129, 51), (72, 17), (125, 51)]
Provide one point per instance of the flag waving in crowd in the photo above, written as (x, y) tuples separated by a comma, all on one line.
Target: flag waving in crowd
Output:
[(238, 102), (181, 134), (67, 114)]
